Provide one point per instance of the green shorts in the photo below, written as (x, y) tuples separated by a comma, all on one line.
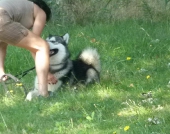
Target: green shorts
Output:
[(11, 32)]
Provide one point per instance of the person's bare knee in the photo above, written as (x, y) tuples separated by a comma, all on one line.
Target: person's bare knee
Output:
[(33, 43)]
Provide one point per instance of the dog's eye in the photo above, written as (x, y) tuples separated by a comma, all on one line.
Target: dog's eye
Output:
[(52, 41), (51, 52)]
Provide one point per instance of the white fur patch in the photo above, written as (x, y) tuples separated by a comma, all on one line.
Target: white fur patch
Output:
[(66, 37), (91, 57), (32, 94)]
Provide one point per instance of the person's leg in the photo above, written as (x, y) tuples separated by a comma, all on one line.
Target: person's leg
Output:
[(51, 78), (3, 47), (40, 49)]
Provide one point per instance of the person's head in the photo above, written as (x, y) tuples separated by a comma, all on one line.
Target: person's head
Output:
[(44, 7)]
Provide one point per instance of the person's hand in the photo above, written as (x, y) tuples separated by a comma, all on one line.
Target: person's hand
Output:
[(51, 79)]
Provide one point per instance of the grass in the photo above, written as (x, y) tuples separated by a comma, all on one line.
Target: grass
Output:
[(134, 57)]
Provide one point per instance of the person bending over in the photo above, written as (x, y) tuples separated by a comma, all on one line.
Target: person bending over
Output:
[(21, 25)]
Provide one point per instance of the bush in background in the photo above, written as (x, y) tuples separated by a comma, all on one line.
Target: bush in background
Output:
[(90, 11)]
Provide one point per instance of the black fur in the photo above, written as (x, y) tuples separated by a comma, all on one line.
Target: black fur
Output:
[(78, 73)]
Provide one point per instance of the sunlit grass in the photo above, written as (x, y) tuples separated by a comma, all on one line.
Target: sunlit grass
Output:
[(133, 64)]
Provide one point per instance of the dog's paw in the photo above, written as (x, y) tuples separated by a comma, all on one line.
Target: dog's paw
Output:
[(31, 95)]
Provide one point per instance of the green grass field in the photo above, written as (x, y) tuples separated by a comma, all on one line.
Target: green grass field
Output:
[(132, 98)]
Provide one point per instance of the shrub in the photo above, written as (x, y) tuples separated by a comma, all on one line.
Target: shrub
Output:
[(89, 11)]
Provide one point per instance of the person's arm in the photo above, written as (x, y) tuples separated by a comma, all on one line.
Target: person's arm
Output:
[(39, 20), (38, 26)]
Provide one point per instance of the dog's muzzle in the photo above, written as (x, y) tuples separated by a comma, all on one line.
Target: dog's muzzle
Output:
[(53, 52)]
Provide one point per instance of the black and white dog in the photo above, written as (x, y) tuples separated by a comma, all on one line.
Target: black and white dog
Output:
[(84, 69)]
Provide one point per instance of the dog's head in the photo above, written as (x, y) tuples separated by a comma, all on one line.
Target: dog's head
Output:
[(58, 46)]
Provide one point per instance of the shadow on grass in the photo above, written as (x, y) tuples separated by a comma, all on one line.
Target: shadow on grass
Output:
[(98, 108)]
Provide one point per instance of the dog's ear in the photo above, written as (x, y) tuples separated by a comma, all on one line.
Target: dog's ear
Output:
[(50, 35), (66, 38)]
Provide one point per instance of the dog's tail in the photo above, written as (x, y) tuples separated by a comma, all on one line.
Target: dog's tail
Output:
[(90, 56)]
